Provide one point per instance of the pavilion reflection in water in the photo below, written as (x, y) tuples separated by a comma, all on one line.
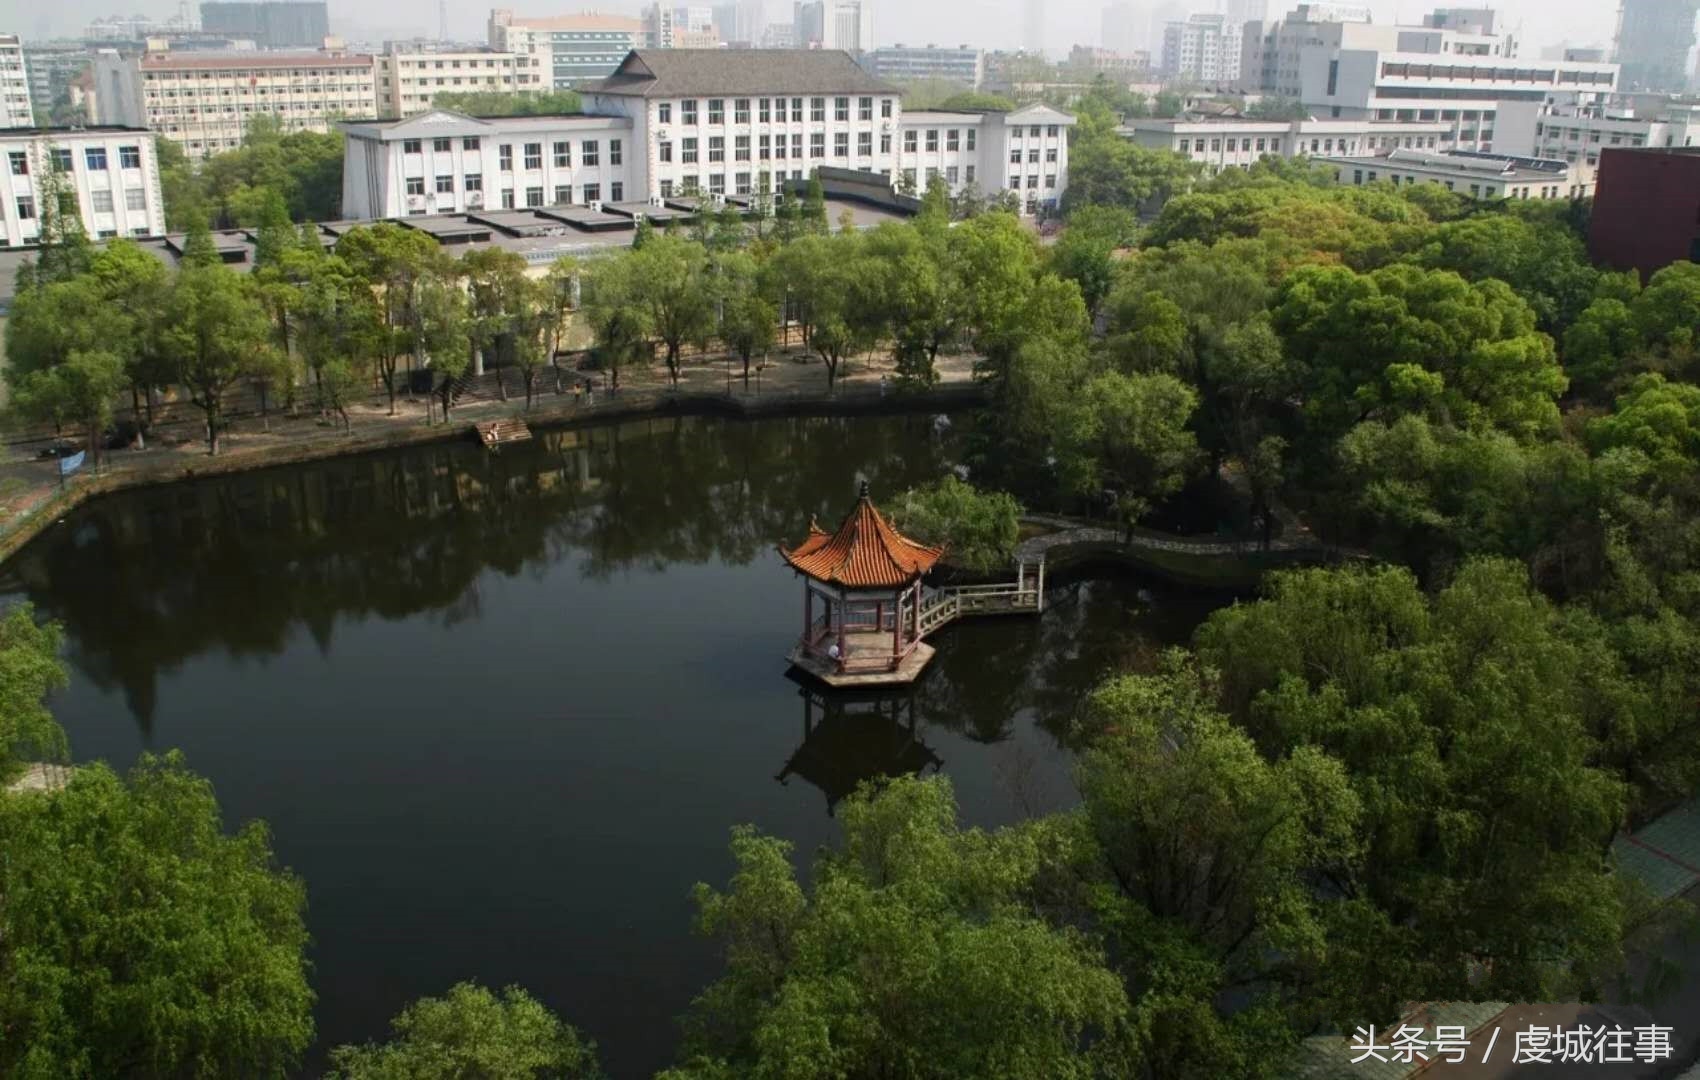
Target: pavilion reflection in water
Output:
[(851, 737)]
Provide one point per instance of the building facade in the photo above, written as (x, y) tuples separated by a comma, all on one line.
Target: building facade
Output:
[(113, 173), (1653, 41), (15, 108), (1455, 68), (270, 24), (961, 65), (1205, 48), (1480, 176), (1238, 142), (1579, 135), (677, 123), (205, 102), (51, 67), (1644, 209), (565, 50), (836, 24), (408, 82)]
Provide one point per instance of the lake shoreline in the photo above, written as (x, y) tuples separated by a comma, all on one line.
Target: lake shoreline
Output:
[(553, 414)]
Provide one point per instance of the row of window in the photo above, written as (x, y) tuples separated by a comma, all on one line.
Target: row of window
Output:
[(772, 110), (590, 151), (101, 202), (307, 73), (94, 159), (1033, 155), (952, 139), (771, 147), (1477, 191)]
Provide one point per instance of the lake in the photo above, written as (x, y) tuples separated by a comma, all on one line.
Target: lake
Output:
[(502, 711)]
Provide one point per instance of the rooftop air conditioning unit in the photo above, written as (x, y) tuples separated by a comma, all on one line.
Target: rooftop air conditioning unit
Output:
[(718, 199), (475, 198), (595, 206), (416, 202), (656, 201)]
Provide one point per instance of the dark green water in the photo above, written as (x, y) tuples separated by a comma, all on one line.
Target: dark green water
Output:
[(501, 711)]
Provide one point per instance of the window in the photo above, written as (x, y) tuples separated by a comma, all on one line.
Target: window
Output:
[(717, 110), (885, 144), (534, 196), (691, 183), (717, 184), (1050, 180), (20, 163), (1015, 183), (950, 175), (135, 199), (969, 174), (129, 157), (563, 194), (615, 152), (592, 193), (1033, 131), (885, 108), (664, 112), (796, 110), (817, 144), (666, 189), (717, 148), (590, 153), (764, 147), (911, 139), (101, 200), (472, 181), (1232, 144), (410, 146), (797, 145), (766, 110), (932, 140), (1333, 77), (507, 198), (664, 152), (688, 111), (1033, 156), (909, 178), (26, 207), (617, 191), (841, 144), (953, 139), (1051, 131), (534, 155), (841, 109), (416, 185), (445, 185), (1033, 183), (865, 143), (741, 111), (817, 110), (442, 146), (741, 184), (505, 157), (1051, 153), (1015, 156), (688, 151), (741, 148), (470, 142), (779, 147), (95, 158), (563, 155)]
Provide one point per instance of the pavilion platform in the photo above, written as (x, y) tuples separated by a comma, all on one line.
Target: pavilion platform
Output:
[(873, 674)]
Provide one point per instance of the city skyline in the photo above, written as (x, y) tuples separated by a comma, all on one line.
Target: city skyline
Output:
[(996, 24)]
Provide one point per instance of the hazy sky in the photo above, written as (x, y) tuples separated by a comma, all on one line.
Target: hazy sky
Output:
[(985, 23)]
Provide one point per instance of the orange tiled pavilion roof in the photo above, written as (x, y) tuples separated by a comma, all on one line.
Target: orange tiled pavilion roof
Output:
[(865, 552)]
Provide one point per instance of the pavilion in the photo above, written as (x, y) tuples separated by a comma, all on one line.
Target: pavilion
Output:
[(867, 579)]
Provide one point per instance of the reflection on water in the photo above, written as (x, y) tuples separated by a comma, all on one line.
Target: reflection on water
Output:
[(501, 711)]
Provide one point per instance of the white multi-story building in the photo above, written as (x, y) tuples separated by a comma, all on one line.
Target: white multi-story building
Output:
[(1455, 68), (1577, 135), (1238, 142), (14, 84), (113, 172), (1480, 176), (1205, 48), (408, 82), (565, 50), (673, 123), (962, 64), (836, 24), (205, 102)]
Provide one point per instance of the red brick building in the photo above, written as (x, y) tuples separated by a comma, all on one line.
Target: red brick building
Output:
[(1646, 209)]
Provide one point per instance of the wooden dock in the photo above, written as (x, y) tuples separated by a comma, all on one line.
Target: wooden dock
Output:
[(495, 434)]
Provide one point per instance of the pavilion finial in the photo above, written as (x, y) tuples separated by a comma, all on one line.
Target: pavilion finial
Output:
[(864, 489)]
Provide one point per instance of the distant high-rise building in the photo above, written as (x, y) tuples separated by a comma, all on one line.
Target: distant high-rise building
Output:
[(1122, 28), (742, 22), (567, 49), (836, 24), (1205, 48), (271, 24), (1033, 36), (1653, 39), (1244, 11), (14, 84)]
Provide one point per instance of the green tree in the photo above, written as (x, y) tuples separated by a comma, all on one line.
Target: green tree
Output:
[(748, 318), (60, 361), (218, 336), (29, 671), (472, 1032), (392, 261), (1128, 442), (1602, 343), (138, 938), (509, 103), (979, 529), (671, 281), (619, 320), (917, 954)]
